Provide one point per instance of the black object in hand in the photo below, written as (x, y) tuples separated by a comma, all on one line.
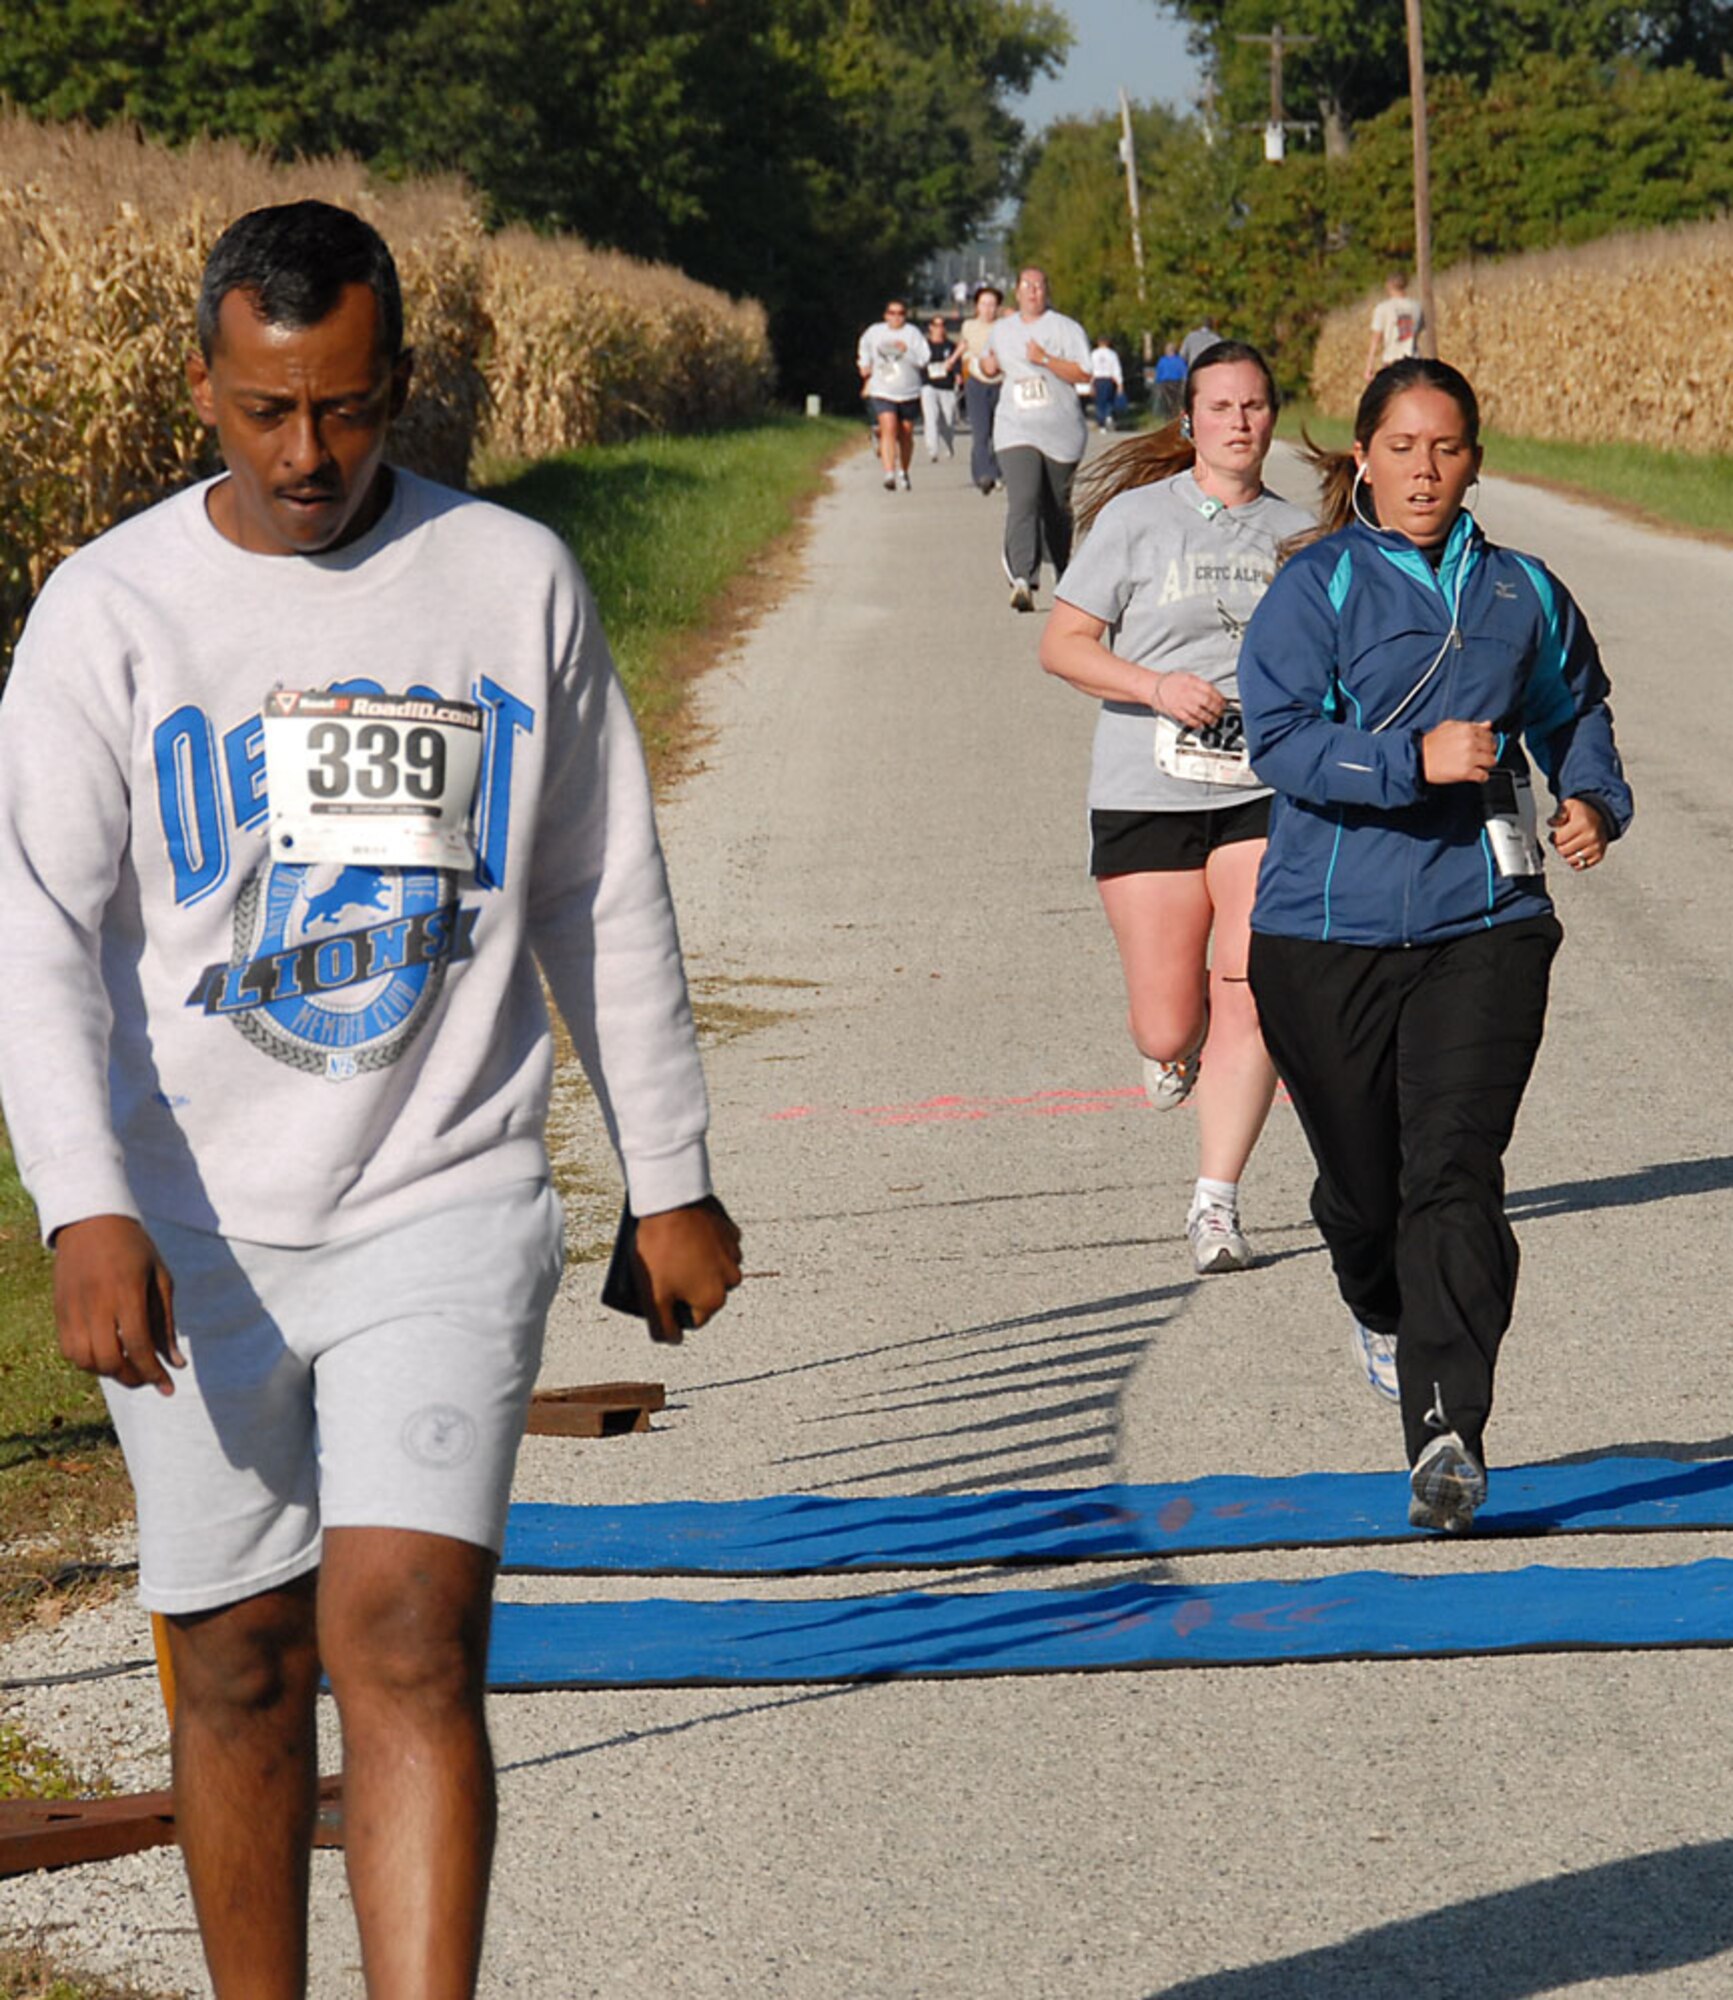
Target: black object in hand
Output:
[(621, 1289)]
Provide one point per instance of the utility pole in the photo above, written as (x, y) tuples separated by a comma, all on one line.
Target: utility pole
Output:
[(1279, 124), (1128, 153), (1422, 182)]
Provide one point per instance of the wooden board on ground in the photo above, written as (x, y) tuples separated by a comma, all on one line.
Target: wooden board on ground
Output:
[(58, 1833), (604, 1409)]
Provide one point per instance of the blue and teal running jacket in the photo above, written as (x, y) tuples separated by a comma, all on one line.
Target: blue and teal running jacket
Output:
[(1351, 657)]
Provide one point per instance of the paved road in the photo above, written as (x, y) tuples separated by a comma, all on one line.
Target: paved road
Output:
[(967, 1230)]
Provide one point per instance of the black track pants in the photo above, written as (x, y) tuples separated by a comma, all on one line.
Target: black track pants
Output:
[(1037, 511), (1406, 1067)]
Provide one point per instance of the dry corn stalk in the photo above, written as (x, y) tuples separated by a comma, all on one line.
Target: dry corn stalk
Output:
[(103, 236), (1627, 340)]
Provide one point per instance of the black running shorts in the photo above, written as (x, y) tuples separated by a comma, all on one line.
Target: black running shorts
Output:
[(1170, 843)]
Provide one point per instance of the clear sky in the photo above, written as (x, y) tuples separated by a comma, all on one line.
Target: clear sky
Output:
[(1131, 42)]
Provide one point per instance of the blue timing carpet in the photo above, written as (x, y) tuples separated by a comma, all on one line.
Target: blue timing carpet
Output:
[(804, 1534), (1367, 1615)]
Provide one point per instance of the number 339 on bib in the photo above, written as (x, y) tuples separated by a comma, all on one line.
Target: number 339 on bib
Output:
[(373, 781)]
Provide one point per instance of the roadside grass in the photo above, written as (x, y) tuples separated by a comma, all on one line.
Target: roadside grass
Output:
[(683, 540), (679, 538), (62, 1485), (30, 1975), (1665, 489)]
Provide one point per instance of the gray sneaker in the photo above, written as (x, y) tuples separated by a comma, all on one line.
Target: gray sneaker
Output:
[(1217, 1243), (1447, 1485), (1375, 1354)]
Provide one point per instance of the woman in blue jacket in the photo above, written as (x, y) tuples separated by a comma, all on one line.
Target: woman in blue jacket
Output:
[(1402, 932)]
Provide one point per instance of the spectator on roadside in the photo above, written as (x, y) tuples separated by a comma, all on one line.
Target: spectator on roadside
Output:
[(1042, 359), (1107, 383), (980, 396), (939, 390), (892, 358), (1397, 321)]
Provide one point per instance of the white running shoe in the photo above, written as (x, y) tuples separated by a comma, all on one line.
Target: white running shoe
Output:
[(1376, 1354), (1215, 1239), (1022, 596), (1167, 1085), (890, 482), (903, 481), (1447, 1485)]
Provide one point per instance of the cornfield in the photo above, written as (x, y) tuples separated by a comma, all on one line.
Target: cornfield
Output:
[(523, 345), (1627, 340)]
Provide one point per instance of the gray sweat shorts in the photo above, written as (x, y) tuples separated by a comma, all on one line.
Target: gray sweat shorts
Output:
[(379, 1381)]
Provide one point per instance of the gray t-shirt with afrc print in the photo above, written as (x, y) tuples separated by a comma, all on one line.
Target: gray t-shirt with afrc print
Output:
[(1174, 575), (1035, 406)]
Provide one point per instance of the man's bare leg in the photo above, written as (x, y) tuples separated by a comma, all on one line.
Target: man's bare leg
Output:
[(245, 1784), (403, 1629)]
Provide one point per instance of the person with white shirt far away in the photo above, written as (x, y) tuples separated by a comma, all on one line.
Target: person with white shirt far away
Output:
[(1397, 321), (892, 358), (1107, 383), (980, 395), (1039, 358)]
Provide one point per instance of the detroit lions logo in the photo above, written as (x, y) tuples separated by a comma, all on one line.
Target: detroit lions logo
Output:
[(335, 969), (360, 889)]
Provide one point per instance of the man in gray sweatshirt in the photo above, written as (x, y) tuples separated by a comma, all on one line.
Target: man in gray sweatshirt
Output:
[(309, 776)]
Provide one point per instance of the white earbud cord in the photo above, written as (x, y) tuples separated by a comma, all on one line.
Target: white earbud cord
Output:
[(1450, 637)]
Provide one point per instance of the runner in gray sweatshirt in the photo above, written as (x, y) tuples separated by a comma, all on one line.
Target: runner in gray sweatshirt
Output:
[(308, 777)]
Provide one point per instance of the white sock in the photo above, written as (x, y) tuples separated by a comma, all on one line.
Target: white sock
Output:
[(1215, 1194)]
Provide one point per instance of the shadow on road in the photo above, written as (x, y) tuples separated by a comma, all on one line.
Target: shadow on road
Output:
[(1053, 1434), (1625, 1920), (1662, 1182)]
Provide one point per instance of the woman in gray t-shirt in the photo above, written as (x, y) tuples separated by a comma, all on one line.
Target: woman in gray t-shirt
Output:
[(1182, 542)]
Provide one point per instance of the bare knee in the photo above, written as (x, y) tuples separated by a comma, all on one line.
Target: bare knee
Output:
[(251, 1660), (1163, 1033), (411, 1634)]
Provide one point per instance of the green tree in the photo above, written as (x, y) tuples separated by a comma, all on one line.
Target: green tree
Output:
[(1357, 62), (808, 152), (1554, 150)]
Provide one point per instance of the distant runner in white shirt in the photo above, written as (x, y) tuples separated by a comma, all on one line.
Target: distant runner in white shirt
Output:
[(1039, 431), (1396, 323), (892, 358), (1107, 379)]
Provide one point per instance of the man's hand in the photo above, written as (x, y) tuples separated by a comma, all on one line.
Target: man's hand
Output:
[(688, 1262), (1458, 753), (1579, 833), (114, 1303)]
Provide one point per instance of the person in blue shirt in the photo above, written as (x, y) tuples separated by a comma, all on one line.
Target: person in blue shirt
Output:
[(1396, 679), (1170, 374)]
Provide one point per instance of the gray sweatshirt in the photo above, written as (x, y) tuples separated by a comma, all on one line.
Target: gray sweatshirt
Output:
[(194, 1029)]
